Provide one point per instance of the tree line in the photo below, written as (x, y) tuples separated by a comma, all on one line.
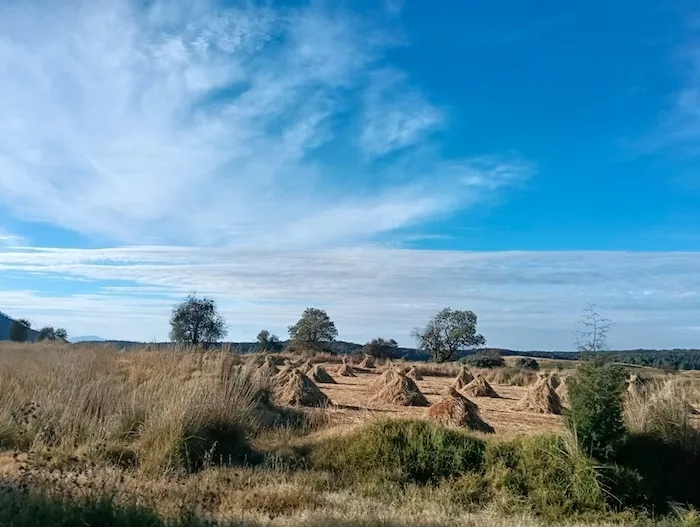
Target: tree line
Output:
[(197, 321), (19, 332)]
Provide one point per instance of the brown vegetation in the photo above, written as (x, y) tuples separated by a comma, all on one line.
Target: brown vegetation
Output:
[(456, 410), (479, 387), (319, 374), (299, 390), (463, 378), (400, 390), (542, 397)]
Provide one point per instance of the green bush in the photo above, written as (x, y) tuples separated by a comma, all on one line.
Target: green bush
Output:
[(595, 408), (485, 359), (527, 363), (547, 474), (401, 451)]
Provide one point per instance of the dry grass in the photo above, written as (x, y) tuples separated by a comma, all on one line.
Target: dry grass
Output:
[(152, 428)]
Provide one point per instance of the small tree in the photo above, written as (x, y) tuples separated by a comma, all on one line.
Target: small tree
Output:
[(314, 330), (448, 332), (381, 348), (197, 321), (592, 337), (19, 330), (46, 333), (49, 333), (267, 341), (595, 401), (61, 334)]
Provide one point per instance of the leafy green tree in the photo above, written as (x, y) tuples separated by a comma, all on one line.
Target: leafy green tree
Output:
[(49, 333), (381, 348), (447, 333), (19, 330), (46, 333), (267, 341), (197, 321), (595, 413), (314, 330)]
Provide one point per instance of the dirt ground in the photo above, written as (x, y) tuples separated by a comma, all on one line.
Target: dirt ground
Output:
[(351, 404)]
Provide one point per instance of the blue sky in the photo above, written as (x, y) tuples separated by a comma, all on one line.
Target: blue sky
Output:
[(380, 160)]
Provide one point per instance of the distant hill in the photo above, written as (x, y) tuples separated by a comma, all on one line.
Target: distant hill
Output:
[(86, 338), (5, 324)]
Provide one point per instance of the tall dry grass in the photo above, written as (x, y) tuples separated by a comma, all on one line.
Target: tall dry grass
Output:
[(162, 410)]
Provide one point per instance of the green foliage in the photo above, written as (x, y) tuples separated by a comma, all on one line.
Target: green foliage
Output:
[(197, 321), (267, 341), (314, 330), (402, 452), (49, 333), (548, 474), (20, 507), (485, 359), (19, 330), (595, 408), (381, 348), (447, 333), (527, 363)]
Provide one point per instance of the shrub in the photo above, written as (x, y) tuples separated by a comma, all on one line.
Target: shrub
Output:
[(595, 408), (403, 452), (527, 363), (485, 359), (549, 474)]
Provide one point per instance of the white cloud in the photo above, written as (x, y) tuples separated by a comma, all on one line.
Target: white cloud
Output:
[(11, 240), (395, 115), (523, 299), (190, 124)]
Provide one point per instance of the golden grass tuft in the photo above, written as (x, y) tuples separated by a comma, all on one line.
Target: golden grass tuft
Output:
[(301, 391), (456, 410), (400, 390), (479, 387)]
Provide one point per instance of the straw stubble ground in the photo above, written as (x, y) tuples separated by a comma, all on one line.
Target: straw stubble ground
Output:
[(352, 404)]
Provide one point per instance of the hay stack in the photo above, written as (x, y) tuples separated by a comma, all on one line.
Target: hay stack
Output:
[(306, 367), (367, 363), (319, 374), (563, 393), (299, 390), (479, 387), (346, 370), (282, 375), (541, 398), (456, 410), (264, 374), (414, 374), (400, 390), (381, 381), (463, 378)]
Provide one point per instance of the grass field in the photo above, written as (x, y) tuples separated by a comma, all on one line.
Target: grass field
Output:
[(94, 436)]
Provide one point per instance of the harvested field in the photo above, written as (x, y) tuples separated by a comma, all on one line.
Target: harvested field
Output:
[(352, 404)]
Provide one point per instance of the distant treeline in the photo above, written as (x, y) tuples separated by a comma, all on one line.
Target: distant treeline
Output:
[(676, 359)]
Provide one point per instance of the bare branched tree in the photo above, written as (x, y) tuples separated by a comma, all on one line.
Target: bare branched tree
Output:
[(592, 337)]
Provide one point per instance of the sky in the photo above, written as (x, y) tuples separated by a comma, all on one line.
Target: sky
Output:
[(379, 159)]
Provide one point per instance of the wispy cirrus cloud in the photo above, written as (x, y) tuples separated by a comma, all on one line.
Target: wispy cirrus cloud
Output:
[(523, 299), (175, 122)]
